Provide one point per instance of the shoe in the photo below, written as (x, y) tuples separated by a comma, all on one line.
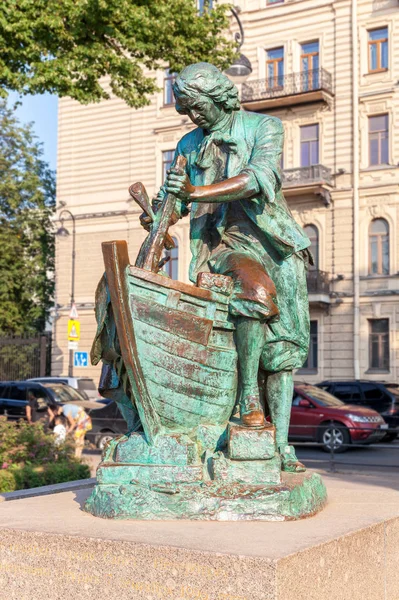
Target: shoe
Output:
[(251, 412), (289, 461)]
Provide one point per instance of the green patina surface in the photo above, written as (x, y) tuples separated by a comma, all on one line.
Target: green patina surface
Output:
[(180, 360)]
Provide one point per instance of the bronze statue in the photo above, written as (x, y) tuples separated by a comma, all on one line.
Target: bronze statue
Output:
[(178, 358)]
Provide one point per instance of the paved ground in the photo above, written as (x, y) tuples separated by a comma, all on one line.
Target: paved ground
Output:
[(374, 459)]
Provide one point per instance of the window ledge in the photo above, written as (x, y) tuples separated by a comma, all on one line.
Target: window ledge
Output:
[(307, 371), (378, 168), (377, 72), (377, 372)]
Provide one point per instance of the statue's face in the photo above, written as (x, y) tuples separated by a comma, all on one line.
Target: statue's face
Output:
[(202, 111)]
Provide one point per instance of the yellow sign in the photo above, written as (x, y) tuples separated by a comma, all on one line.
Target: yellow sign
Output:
[(73, 330)]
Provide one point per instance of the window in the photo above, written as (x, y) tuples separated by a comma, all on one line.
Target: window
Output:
[(379, 344), (378, 140), (311, 361), (347, 393), (309, 145), (379, 247), (167, 159), (271, 2), (18, 392), (168, 97), (275, 68), (172, 266), (310, 66), (378, 50), (313, 234)]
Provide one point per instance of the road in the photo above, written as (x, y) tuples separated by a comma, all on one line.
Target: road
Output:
[(375, 459)]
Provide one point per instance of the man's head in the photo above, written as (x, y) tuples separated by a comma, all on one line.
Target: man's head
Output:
[(205, 94)]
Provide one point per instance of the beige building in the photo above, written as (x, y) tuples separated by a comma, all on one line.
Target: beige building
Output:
[(329, 70)]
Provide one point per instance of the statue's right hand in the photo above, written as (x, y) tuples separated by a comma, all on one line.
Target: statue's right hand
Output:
[(145, 221)]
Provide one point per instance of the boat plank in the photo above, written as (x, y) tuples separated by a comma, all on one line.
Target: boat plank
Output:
[(209, 358), (186, 288), (186, 326), (200, 374)]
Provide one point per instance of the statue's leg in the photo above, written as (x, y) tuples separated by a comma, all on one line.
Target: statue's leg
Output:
[(279, 389), (250, 340)]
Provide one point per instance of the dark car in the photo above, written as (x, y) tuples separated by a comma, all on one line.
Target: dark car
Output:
[(14, 397), (381, 397), (320, 417), (107, 422)]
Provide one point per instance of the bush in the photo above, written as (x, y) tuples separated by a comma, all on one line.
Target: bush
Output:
[(7, 481), (29, 458)]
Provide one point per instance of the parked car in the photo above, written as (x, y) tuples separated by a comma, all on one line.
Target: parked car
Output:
[(320, 417), (107, 422), (381, 397), (14, 397), (85, 385)]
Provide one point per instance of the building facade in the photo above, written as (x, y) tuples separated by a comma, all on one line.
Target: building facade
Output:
[(329, 70)]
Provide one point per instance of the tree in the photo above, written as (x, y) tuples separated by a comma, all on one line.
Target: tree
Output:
[(27, 200), (68, 47)]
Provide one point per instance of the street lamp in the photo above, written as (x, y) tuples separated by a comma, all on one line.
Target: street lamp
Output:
[(63, 232), (241, 68)]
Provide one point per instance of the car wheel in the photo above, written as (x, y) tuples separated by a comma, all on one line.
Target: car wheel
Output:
[(104, 438), (335, 435)]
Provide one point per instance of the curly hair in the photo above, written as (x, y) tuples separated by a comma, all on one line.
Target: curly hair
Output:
[(206, 79)]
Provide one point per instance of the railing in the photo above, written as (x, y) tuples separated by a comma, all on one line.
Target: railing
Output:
[(287, 85), (25, 356), (318, 282), (306, 175)]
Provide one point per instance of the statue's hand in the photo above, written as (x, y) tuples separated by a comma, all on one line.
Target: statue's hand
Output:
[(179, 185), (145, 221)]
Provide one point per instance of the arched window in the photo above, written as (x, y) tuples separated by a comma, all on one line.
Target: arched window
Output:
[(172, 266), (379, 247), (313, 234)]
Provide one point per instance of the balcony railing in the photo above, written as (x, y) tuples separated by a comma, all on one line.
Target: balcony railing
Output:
[(318, 282), (287, 85), (316, 174)]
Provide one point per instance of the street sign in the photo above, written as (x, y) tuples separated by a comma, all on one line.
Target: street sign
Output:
[(74, 312), (81, 359), (73, 346), (73, 330)]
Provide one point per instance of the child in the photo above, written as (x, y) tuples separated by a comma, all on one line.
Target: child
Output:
[(59, 430)]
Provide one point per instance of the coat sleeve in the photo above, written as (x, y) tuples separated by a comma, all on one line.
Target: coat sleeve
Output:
[(181, 209), (264, 163)]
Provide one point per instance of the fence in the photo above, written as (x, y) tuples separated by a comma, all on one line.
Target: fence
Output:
[(24, 357)]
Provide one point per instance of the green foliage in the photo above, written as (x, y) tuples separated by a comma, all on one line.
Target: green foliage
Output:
[(27, 199), (29, 457), (7, 481), (68, 47)]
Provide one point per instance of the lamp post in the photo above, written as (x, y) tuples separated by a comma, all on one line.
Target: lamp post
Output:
[(63, 232), (241, 68)]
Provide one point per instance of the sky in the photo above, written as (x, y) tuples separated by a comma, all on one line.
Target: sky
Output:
[(42, 111)]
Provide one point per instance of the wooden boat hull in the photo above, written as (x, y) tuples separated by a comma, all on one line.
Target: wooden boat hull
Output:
[(178, 357)]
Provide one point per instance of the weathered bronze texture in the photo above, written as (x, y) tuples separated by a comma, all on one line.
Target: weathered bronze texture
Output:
[(193, 368)]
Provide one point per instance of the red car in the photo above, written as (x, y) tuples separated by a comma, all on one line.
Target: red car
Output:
[(320, 417)]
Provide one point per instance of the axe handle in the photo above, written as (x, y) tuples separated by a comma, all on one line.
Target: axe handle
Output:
[(139, 195)]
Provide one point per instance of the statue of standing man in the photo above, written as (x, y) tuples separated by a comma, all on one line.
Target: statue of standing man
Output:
[(242, 227)]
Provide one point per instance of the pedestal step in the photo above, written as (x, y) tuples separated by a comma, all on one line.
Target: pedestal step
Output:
[(251, 472)]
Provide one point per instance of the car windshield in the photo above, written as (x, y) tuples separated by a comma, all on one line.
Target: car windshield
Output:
[(64, 393), (320, 396)]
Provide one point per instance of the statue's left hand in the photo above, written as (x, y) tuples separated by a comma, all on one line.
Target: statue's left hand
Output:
[(179, 185)]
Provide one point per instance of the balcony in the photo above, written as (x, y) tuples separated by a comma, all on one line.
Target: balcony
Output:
[(315, 180), (288, 90), (318, 287)]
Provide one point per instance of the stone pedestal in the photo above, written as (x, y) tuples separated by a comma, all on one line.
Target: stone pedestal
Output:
[(50, 548), (176, 479)]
